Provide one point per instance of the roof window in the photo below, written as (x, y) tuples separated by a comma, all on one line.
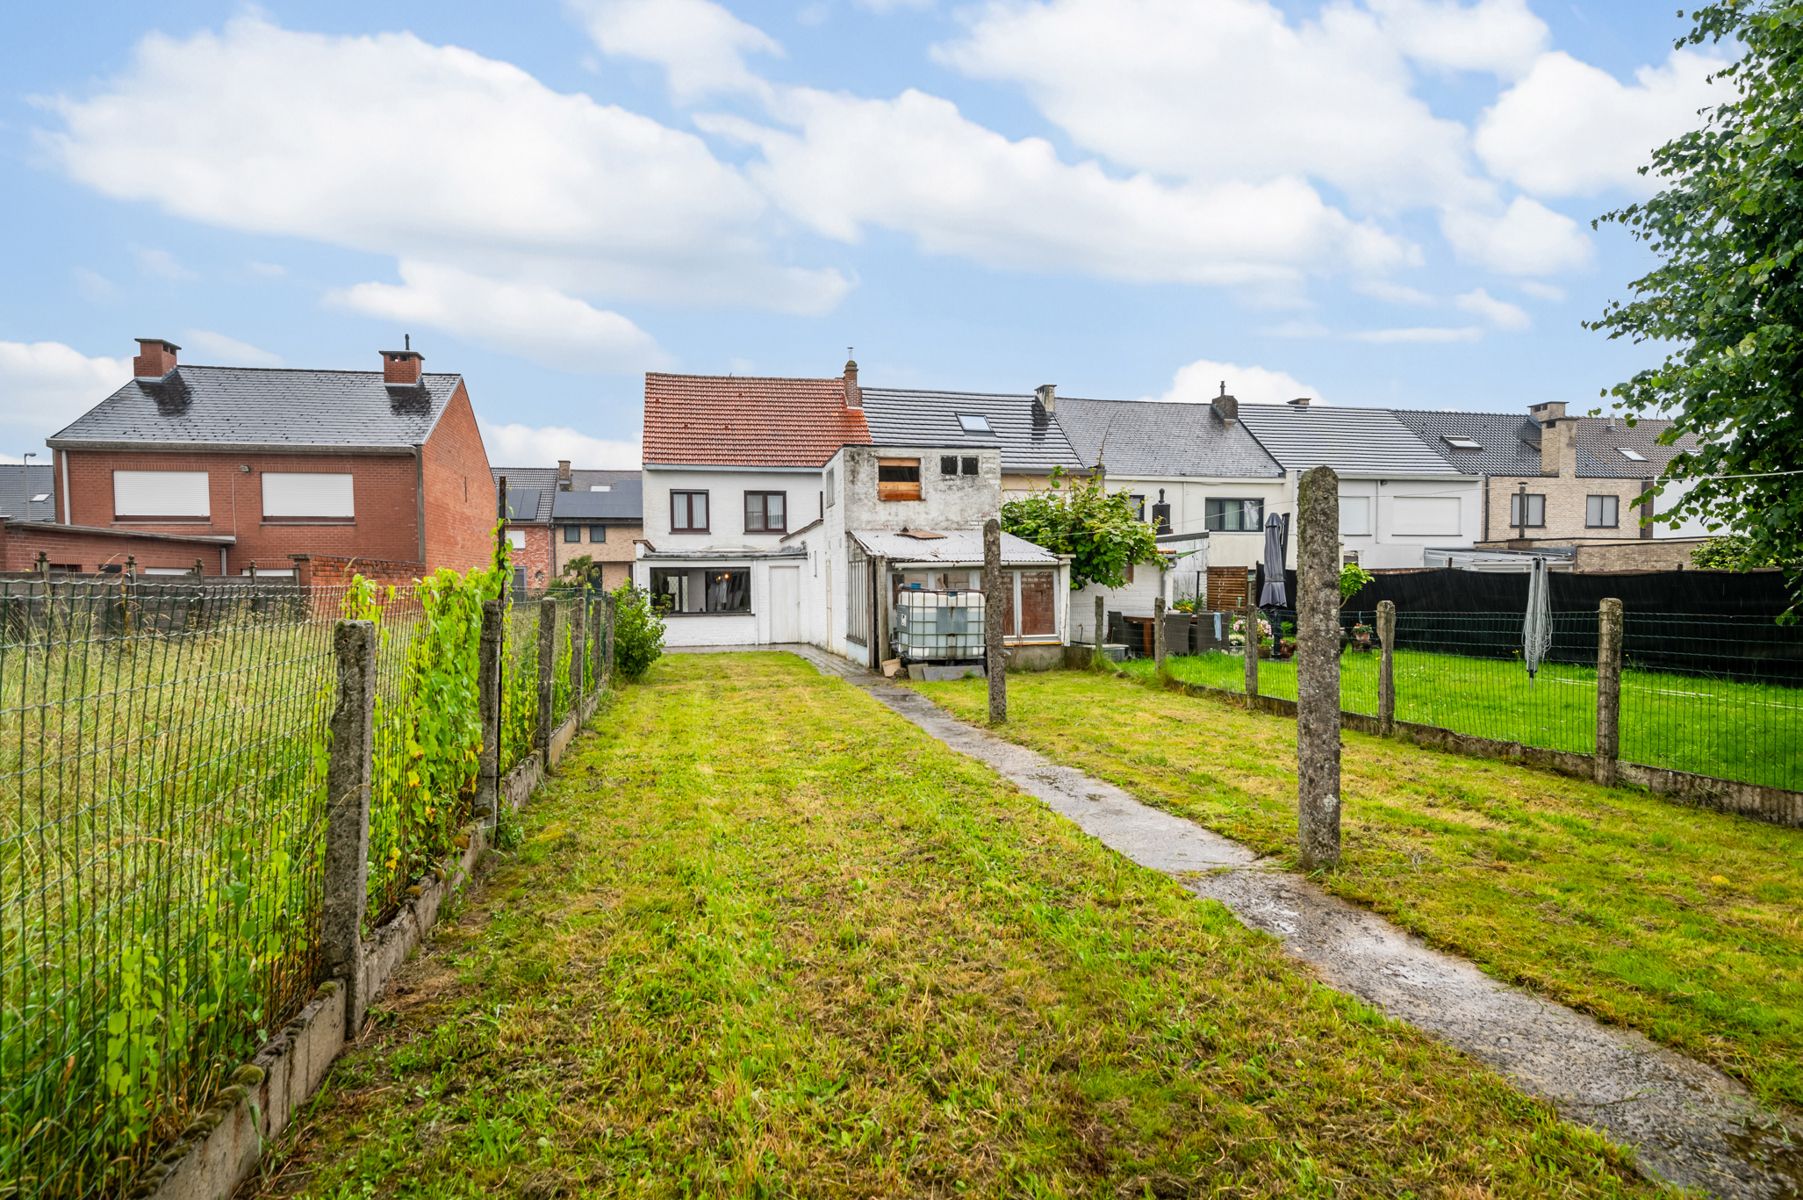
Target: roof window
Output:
[(600, 487), (1460, 443), (1630, 454), (40, 497), (973, 423)]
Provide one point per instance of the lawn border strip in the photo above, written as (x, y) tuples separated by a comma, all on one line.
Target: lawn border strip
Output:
[(1757, 801), (220, 1149)]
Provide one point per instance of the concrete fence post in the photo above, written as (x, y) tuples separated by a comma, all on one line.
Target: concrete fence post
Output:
[(610, 614), (1100, 659), (994, 602), (488, 700), (1251, 647), (1158, 633), (347, 814), (547, 676), (1318, 669), (1386, 667), (1608, 689), (578, 650), (597, 671)]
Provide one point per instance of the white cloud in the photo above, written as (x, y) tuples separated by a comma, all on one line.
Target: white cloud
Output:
[(1393, 293), (1499, 36), (94, 287), (515, 445), (388, 144), (531, 320), (889, 6), (1418, 334), (700, 45), (1526, 238), (1200, 381), (267, 270), (161, 264), (46, 385), (227, 351), (1229, 90), (1541, 291), (1570, 129), (1499, 313), (915, 165)]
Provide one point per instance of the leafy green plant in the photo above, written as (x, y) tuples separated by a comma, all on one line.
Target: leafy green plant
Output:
[(1736, 553), (638, 632), (581, 575), (1099, 529), (1353, 579)]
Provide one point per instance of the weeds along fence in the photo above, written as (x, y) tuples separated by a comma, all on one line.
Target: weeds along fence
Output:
[(1718, 696), (164, 752)]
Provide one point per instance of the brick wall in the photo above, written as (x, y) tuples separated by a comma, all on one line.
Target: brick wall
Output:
[(88, 552), (618, 548), (1566, 500), (386, 524), (459, 490), (326, 570), (536, 557)]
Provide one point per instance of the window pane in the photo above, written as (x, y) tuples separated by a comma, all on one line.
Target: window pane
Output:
[(898, 471), (970, 466), (729, 591), (754, 511), (698, 509), (774, 510), (948, 464), (597, 533), (572, 533), (679, 510), (1038, 603)]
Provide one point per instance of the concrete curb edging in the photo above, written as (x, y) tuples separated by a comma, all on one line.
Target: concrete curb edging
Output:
[(219, 1150), (1757, 801)]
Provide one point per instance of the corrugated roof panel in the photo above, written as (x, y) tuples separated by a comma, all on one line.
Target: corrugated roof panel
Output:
[(952, 546)]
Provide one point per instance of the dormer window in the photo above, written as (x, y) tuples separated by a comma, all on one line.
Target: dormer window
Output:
[(1630, 455), (1461, 443), (973, 423)]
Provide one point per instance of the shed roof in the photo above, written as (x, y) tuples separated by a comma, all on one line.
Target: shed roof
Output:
[(1162, 438), (19, 482), (747, 421), (962, 547), (1353, 441), (1030, 442), (265, 407)]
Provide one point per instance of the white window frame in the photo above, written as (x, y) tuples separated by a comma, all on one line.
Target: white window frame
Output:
[(309, 496), (1361, 505), (179, 495), (516, 538)]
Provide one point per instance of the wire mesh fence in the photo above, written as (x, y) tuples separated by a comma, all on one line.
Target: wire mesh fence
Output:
[(161, 828), (163, 760), (1716, 696)]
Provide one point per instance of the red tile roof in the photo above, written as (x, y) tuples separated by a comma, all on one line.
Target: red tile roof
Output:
[(733, 420)]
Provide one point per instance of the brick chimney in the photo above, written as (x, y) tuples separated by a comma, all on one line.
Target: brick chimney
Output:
[(854, 395), (403, 366), (155, 359), (1047, 395), (1226, 407), (1547, 410), (563, 474), (1558, 439)]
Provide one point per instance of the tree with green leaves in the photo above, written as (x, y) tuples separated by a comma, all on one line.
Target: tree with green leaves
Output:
[(580, 574), (1099, 529), (1726, 300)]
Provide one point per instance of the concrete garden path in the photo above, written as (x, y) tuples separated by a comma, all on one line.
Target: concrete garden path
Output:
[(1687, 1122)]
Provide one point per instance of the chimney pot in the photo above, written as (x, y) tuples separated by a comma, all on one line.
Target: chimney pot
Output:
[(155, 359), (1548, 410), (1047, 395), (402, 366), (854, 395), (1226, 407)]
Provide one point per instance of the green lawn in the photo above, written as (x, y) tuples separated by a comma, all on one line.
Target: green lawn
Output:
[(764, 938), (1742, 731), (1684, 923)]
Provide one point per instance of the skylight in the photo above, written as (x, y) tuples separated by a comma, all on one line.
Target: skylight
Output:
[(40, 497), (600, 487), (1460, 443), (1631, 455), (973, 422)]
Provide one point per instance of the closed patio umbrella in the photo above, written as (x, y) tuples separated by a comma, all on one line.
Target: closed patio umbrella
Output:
[(1537, 625), (1274, 594)]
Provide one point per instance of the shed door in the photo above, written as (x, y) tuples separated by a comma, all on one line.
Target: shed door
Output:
[(785, 604)]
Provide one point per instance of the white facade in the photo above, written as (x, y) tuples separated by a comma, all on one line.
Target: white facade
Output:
[(1189, 497), (1390, 522)]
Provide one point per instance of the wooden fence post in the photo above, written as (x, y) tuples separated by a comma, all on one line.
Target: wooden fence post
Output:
[(1251, 647), (347, 814), (994, 581), (1100, 659), (547, 676), (1158, 633), (1386, 667), (1608, 689), (1318, 669), (488, 699)]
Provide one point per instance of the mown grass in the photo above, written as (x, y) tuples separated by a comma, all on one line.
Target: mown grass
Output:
[(1748, 732), (764, 938), (1683, 923)]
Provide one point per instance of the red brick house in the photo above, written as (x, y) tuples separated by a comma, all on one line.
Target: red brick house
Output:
[(271, 464)]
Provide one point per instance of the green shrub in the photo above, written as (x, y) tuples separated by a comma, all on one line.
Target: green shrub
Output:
[(638, 632)]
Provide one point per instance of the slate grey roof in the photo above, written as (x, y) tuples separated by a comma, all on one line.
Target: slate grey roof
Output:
[(265, 407), (1031, 444), (624, 500), (19, 482), (1362, 442), (962, 547), (1599, 438), (1159, 438), (1510, 441)]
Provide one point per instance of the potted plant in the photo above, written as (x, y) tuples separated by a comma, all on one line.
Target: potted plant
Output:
[(1361, 636)]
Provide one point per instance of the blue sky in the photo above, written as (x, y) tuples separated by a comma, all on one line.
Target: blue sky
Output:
[(1368, 201)]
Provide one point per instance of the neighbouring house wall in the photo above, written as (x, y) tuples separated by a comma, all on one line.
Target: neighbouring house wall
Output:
[(459, 490), (1403, 517), (88, 552), (615, 554), (1188, 498), (1649, 554), (325, 570), (535, 556), (1134, 599), (1566, 499), (1015, 484), (385, 523)]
